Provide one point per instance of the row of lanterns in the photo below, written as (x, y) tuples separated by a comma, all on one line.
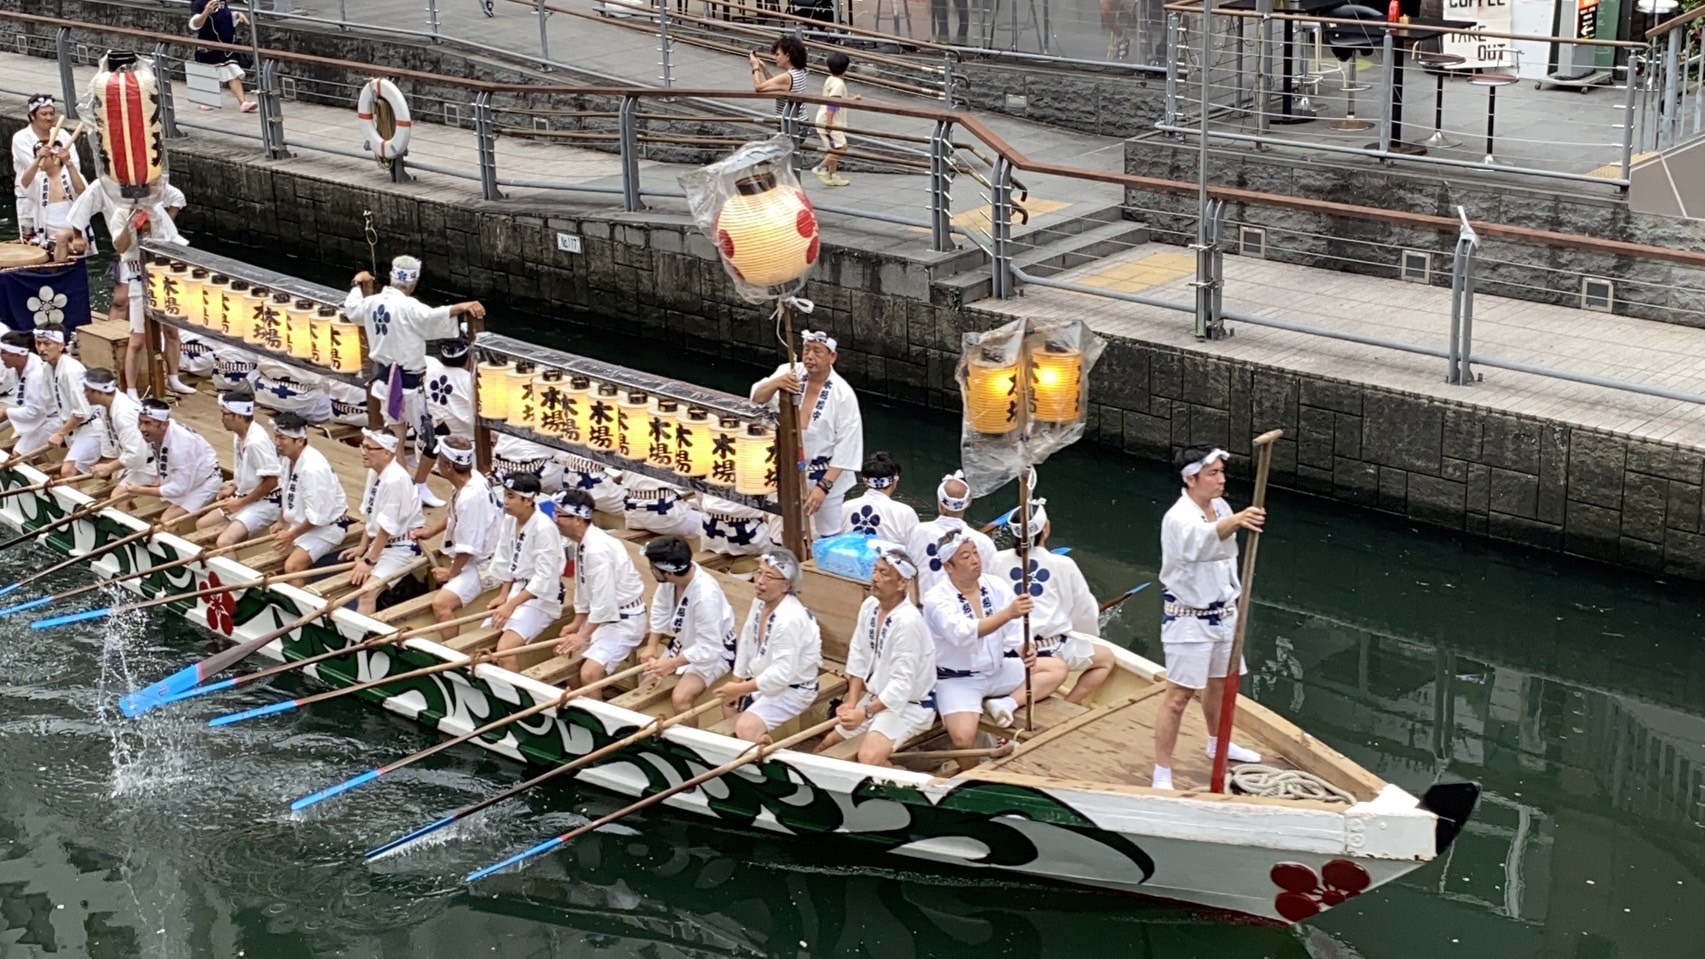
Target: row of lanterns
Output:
[(276, 321), (695, 443), (1056, 390)]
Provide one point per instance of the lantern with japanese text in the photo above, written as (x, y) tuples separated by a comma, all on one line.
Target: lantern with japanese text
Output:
[(299, 329), (234, 311), (522, 409), (631, 423), (321, 333), (577, 409), (347, 354), (991, 394), (660, 432), (195, 296), (755, 461), (724, 453), (551, 411), (492, 390), (129, 131), (603, 419), (693, 443)]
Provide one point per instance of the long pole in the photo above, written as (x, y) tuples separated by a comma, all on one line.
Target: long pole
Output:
[(790, 451), (1233, 673), (1024, 586)]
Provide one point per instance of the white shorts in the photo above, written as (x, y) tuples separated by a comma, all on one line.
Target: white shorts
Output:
[(85, 451), (32, 442), (709, 672), (833, 135), (1191, 665), (200, 496), (966, 694), (527, 622), (257, 516), (394, 559), (778, 709), (228, 72), (136, 308), (897, 724), (612, 643), (473, 580), (319, 541), (1076, 653), (827, 520)]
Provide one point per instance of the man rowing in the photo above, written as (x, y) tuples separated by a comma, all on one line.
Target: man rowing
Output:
[(609, 599), (890, 666), (314, 504), (391, 508), (34, 413), (780, 651), (186, 469), (1198, 576), (953, 498), (831, 427), (250, 503), (527, 566), (77, 430), (1063, 604), (471, 526), (979, 661), (690, 610), (123, 449)]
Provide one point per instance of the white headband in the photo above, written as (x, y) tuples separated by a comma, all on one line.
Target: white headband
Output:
[(1038, 518), (902, 563), (239, 407), (289, 433), (673, 569), (57, 336), (454, 455), (823, 338), (453, 349), (577, 512), (36, 104), (100, 387), (789, 571), (957, 504), (385, 440), (403, 277), (880, 482), (15, 350), (1201, 464), (157, 413), (951, 544)]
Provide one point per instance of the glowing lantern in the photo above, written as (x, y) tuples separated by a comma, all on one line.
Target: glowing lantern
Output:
[(299, 329), (577, 409), (551, 404), (755, 461), (194, 298), (991, 395), (128, 129), (320, 345), (274, 331), (347, 351), (213, 300), (523, 410), (1056, 385), (603, 419), (233, 311), (492, 390), (157, 275), (724, 445), (171, 303), (693, 443), (660, 433), (631, 421), (767, 233), (255, 307)]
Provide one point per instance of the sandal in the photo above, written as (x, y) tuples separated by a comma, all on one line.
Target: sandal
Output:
[(250, 106)]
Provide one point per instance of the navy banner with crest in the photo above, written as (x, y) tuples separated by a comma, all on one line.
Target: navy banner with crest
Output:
[(37, 296)]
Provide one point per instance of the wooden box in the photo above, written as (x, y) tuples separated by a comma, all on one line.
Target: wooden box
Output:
[(102, 344)]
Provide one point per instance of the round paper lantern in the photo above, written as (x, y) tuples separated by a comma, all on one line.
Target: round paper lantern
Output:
[(724, 446), (255, 306), (660, 433), (320, 345), (213, 300), (755, 461), (1056, 385), (347, 346), (523, 411), (195, 296), (128, 128), (991, 396), (603, 419), (693, 443), (550, 402), (492, 390), (299, 329), (767, 233), (632, 418), (234, 311), (157, 270), (577, 407)]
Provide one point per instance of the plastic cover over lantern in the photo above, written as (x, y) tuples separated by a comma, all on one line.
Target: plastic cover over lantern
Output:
[(130, 134), (751, 207)]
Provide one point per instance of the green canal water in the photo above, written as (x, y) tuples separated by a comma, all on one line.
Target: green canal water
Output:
[(1575, 694)]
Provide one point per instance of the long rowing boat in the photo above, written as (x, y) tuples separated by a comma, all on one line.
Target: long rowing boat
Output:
[(1071, 803)]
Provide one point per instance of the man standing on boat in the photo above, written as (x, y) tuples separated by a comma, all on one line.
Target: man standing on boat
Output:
[(43, 115), (890, 666), (391, 508), (953, 498), (780, 651), (1064, 604), (690, 609), (77, 431), (398, 326), (249, 504), (1198, 573), (471, 526), (34, 413), (122, 445), (830, 423), (184, 463), (877, 512), (609, 599), (314, 502), (979, 665), (527, 565)]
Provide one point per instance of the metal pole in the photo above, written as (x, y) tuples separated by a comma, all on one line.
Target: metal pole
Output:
[(1628, 119), (1172, 115), (1000, 206), (1204, 258), (1670, 104), (940, 182), (1453, 350), (1387, 84), (629, 128), (1263, 67), (1468, 308), (272, 113), (544, 38), (947, 79), (342, 15), (267, 128), (432, 18), (485, 139), (67, 79), (663, 43), (168, 109)]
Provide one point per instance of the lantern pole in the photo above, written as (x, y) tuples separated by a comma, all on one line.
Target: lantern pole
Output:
[(1024, 516), (790, 449), (482, 436)]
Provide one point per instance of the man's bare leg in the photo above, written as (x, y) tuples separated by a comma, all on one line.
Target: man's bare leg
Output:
[(962, 729), (688, 687), (1100, 667), (1167, 720), (445, 606)]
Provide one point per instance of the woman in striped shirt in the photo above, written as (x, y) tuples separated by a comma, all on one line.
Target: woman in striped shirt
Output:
[(789, 56)]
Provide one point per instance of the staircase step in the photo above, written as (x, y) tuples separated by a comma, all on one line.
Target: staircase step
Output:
[(1081, 248), (1050, 250)]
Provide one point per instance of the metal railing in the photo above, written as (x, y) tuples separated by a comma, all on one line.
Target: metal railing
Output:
[(946, 160), (1675, 112)]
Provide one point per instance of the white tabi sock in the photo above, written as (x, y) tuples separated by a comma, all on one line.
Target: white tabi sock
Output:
[(427, 496), (1001, 710), (1234, 753), (1163, 777)]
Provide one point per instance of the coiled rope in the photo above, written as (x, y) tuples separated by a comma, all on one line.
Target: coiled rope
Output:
[(1254, 779)]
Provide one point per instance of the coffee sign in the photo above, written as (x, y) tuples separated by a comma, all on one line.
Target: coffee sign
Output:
[(1477, 50)]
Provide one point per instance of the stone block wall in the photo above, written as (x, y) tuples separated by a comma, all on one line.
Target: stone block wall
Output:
[(1116, 106)]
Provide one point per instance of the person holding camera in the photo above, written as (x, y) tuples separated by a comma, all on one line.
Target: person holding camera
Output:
[(213, 22)]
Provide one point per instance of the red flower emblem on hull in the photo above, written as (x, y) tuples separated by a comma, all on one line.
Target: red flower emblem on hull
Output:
[(221, 608), (1307, 895)]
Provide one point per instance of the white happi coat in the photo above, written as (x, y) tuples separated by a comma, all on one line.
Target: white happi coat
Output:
[(880, 515), (607, 588), (475, 523), (897, 660), (792, 650), (700, 624), (391, 503), (450, 396), (735, 529), (254, 459), (1197, 570), (121, 437), (67, 382), (24, 154), (118, 214), (603, 485), (923, 544), (312, 492), (1063, 602), (832, 431), (954, 626), (185, 462), (398, 326), (34, 413), (530, 556)]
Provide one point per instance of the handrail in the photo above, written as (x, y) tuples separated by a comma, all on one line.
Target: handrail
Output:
[(972, 125), (1675, 23), (1196, 8)]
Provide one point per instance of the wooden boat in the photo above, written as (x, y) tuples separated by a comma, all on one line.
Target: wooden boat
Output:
[(1071, 803)]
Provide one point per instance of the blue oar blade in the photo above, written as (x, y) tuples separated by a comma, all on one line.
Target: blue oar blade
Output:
[(142, 700), (23, 607), (1138, 588), (519, 857), (1062, 551), (423, 831), (9, 590), (67, 618), (196, 691), (337, 790), (255, 713)]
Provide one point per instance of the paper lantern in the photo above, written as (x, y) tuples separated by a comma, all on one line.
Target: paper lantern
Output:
[(492, 390), (234, 311), (1056, 385), (253, 316), (631, 421), (195, 296), (767, 233), (275, 335), (991, 396), (213, 300), (577, 409), (724, 445), (320, 345), (523, 407), (128, 128), (603, 419), (157, 270), (660, 433), (693, 443), (172, 289), (299, 329), (755, 461), (551, 416), (347, 352)]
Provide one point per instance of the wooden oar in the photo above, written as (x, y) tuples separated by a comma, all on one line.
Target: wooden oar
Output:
[(22, 458), (100, 583), (61, 481), (140, 701), (88, 614), (991, 752), (86, 558), (1233, 671), (656, 727), (533, 710), (998, 521), (755, 754), (1127, 594), (483, 656), (65, 520)]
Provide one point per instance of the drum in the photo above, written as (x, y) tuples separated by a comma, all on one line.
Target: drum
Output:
[(13, 255)]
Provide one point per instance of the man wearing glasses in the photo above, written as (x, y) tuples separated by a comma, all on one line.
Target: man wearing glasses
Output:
[(779, 652)]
